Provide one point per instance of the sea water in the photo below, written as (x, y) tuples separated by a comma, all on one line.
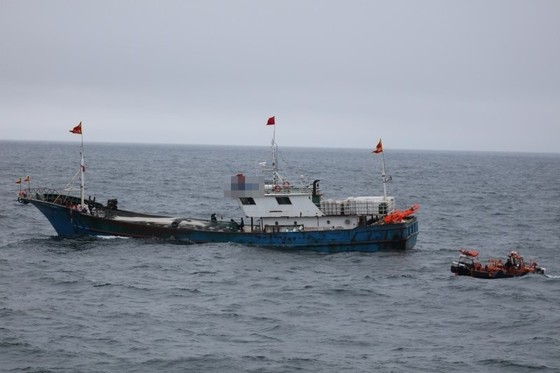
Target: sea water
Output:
[(130, 305)]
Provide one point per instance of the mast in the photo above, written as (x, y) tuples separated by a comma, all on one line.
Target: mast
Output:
[(78, 131), (275, 176), (274, 158), (82, 171), (379, 149), (384, 176)]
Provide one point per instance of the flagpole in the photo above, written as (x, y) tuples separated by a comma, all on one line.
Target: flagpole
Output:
[(274, 164), (82, 176), (379, 149), (384, 176), (271, 121), (78, 131)]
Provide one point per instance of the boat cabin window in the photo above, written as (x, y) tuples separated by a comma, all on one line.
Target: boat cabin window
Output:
[(283, 200), (383, 208), (247, 201)]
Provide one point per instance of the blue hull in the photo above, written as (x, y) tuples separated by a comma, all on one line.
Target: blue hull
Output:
[(402, 236)]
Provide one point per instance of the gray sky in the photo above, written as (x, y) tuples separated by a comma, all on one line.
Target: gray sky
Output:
[(458, 75)]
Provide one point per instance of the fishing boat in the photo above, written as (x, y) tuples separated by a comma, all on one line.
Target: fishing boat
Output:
[(280, 214), (468, 264)]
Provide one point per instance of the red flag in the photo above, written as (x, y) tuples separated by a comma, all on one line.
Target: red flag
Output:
[(271, 121), (379, 148), (77, 130)]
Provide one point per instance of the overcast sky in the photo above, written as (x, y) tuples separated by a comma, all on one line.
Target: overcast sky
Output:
[(457, 75)]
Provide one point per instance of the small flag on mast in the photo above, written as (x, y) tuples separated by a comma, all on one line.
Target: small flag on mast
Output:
[(18, 181), (26, 179), (77, 130), (271, 121), (379, 148)]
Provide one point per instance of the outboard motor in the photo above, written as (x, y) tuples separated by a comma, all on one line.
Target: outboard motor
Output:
[(112, 204), (540, 270)]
